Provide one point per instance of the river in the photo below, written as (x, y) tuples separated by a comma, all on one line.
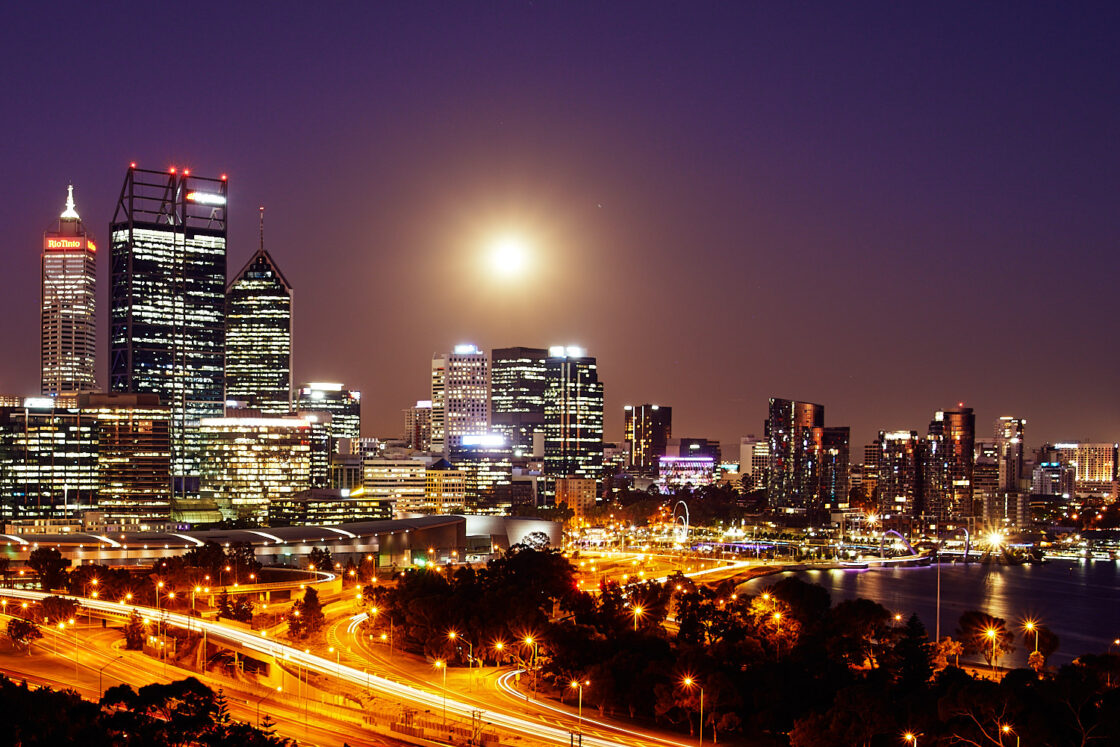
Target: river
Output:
[(1078, 600)]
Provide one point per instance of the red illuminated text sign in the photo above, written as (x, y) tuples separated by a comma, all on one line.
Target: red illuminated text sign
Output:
[(64, 244)]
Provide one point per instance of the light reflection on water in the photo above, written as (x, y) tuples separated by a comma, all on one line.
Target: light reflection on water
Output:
[(1080, 601)]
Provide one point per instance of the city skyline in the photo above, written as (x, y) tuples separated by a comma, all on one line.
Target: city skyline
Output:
[(769, 217)]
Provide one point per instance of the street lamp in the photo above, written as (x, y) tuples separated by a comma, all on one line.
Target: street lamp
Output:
[(279, 689), (579, 686), (470, 653), (991, 633), (638, 612), (777, 634), (337, 661), (1032, 627), (441, 664), (689, 683), (911, 738), (1006, 729), (533, 662), (100, 686)]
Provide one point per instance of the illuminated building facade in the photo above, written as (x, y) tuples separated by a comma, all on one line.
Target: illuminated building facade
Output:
[(1094, 465), (486, 462), (573, 416), (578, 493), (649, 428), (1009, 441), (899, 483), (48, 460), (344, 406), (460, 397), (68, 340), (950, 455), (683, 473), (133, 438), (794, 431), (399, 481), (259, 336), (835, 464), (326, 507), (418, 425), (167, 303), (517, 391), (445, 490), (248, 462)]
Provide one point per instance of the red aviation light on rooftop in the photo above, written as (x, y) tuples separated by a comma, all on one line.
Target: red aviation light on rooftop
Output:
[(186, 172), (132, 165), (224, 177), (172, 169)]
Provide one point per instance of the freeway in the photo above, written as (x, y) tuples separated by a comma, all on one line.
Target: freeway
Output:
[(260, 643), (505, 697)]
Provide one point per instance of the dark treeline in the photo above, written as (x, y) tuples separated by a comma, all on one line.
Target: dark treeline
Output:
[(783, 667), (179, 713)]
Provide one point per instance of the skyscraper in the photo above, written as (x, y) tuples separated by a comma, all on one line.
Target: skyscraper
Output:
[(69, 321), (650, 427), (418, 425), (794, 430), (1009, 444), (517, 387), (573, 416), (344, 405), (899, 481), (460, 397), (951, 465), (835, 461), (167, 303), (259, 335)]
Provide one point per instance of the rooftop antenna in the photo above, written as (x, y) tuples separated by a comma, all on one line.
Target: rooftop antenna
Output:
[(262, 228)]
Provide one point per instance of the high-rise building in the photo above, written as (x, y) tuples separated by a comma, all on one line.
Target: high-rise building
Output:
[(445, 490), (835, 462), (649, 427), (167, 303), (752, 464), (899, 473), (247, 462), (344, 405), (259, 335), (48, 460), (132, 433), (400, 481), (1009, 440), (460, 397), (418, 425), (1094, 465), (517, 390), (487, 463), (948, 486), (68, 338), (573, 416), (794, 430)]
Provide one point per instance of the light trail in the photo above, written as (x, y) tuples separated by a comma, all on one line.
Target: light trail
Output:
[(260, 643)]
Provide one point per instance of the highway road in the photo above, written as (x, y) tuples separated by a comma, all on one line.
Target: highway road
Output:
[(421, 698)]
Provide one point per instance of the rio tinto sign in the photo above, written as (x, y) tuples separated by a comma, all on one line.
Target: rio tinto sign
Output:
[(51, 243)]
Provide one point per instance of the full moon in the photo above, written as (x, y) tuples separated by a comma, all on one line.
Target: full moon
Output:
[(508, 255)]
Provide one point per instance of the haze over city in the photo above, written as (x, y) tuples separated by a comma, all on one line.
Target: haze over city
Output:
[(885, 209)]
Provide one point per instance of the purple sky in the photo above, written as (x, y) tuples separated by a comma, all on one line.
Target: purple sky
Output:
[(881, 208)]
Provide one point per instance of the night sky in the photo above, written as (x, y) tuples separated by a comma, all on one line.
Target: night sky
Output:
[(882, 208)]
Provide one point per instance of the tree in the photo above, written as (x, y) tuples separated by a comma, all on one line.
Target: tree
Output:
[(134, 632), (225, 609), (981, 633), (947, 648), (23, 632), (319, 559), (913, 656), (242, 610), (50, 566), (307, 616), (58, 609)]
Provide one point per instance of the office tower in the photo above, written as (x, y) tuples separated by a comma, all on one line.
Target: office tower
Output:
[(517, 389), (573, 416), (684, 473), (344, 405), (418, 425), (401, 482), (751, 471), (899, 473), (1053, 478), (949, 466), (167, 303), (1093, 464), (132, 433), (487, 463), (259, 335), (986, 474), (460, 397), (247, 462), (627, 424), (48, 460), (835, 462), (445, 490), (649, 428), (1009, 440), (794, 431), (326, 507), (694, 447), (69, 320)]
